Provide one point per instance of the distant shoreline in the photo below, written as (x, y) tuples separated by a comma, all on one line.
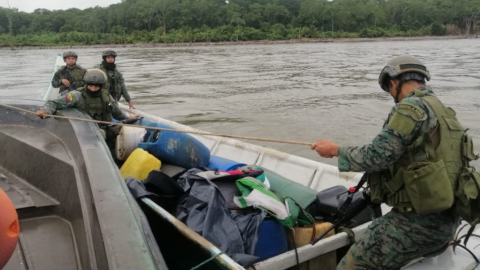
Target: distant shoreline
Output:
[(257, 42)]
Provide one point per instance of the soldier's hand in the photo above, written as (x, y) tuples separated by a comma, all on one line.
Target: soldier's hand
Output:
[(325, 148), (66, 82), (41, 114), (130, 105)]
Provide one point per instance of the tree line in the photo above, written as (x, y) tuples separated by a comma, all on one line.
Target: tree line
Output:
[(167, 21)]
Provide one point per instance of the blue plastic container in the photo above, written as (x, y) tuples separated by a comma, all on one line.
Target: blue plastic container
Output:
[(223, 164), (179, 149), (272, 239)]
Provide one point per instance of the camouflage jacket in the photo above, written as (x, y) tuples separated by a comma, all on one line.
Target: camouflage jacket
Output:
[(76, 74), (93, 106), (392, 142), (115, 79)]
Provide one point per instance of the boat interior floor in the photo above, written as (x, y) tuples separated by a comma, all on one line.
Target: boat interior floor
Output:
[(46, 239), (74, 211), (31, 251)]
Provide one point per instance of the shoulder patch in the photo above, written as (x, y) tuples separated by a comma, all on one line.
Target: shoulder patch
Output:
[(405, 118), (412, 111), (401, 124), (69, 97)]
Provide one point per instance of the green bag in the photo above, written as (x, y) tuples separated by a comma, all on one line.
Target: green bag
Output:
[(287, 188), (285, 210)]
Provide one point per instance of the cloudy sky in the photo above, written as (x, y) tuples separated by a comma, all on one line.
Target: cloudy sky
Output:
[(31, 5)]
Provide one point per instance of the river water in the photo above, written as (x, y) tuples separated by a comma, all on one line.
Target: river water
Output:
[(301, 92)]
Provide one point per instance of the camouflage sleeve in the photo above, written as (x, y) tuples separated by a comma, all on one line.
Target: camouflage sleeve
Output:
[(116, 112), (401, 129), (57, 79), (124, 88), (70, 100)]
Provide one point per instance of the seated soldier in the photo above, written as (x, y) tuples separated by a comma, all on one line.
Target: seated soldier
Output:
[(94, 100)]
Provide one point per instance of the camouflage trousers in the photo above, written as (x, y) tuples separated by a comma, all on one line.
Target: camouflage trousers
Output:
[(397, 238)]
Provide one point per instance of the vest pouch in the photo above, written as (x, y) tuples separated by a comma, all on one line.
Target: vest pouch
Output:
[(376, 181), (429, 187), (467, 149), (467, 206)]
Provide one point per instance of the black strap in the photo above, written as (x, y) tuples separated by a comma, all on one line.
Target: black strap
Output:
[(104, 108), (112, 85), (67, 74)]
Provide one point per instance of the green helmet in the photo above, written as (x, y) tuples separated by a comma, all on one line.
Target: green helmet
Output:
[(408, 66), (108, 52), (69, 54), (95, 76)]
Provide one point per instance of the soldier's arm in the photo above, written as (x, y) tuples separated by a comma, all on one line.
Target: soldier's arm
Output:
[(387, 147), (116, 112), (70, 100), (124, 88), (57, 79)]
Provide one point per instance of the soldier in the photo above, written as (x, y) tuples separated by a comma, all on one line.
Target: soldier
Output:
[(115, 83), (422, 222), (70, 76), (94, 100)]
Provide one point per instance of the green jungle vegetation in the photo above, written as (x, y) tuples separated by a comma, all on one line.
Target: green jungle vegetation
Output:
[(173, 21)]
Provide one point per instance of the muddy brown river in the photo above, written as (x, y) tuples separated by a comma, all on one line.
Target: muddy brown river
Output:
[(300, 92)]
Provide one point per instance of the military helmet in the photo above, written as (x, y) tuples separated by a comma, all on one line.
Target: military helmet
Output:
[(69, 54), (95, 76), (109, 52), (410, 67)]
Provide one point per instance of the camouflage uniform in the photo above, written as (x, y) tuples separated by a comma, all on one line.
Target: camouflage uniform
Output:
[(115, 83), (396, 238), (103, 111), (76, 74)]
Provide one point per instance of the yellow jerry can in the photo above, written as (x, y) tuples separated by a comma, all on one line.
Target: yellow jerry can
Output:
[(139, 164)]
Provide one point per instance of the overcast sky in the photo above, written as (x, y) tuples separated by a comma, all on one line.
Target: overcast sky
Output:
[(31, 5)]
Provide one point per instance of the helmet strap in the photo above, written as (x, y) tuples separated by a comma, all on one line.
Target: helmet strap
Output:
[(399, 90)]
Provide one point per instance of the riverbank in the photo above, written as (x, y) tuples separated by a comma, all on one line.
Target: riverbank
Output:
[(256, 42)]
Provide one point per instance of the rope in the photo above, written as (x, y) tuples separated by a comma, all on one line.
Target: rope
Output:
[(162, 129), (207, 261)]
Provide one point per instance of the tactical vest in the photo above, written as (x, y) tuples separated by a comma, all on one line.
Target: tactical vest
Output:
[(77, 75), (425, 177), (113, 85), (99, 108)]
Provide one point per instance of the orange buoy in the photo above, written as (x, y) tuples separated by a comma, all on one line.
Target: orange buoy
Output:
[(8, 228)]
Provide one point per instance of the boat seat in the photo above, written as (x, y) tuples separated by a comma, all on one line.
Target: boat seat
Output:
[(44, 243), (44, 140), (23, 194), (228, 148)]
